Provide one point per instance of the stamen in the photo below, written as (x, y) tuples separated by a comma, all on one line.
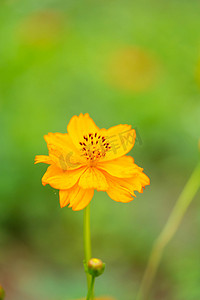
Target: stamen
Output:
[(94, 146)]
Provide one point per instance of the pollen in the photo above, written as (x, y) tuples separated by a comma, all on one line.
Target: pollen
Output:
[(94, 146)]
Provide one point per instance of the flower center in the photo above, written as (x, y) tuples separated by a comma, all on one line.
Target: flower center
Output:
[(94, 146)]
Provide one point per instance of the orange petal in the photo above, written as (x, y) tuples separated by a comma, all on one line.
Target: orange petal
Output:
[(85, 200), (77, 197), (43, 159), (121, 139), (121, 189), (64, 197), (60, 179), (118, 193), (139, 181), (92, 178), (79, 126), (63, 152), (123, 167)]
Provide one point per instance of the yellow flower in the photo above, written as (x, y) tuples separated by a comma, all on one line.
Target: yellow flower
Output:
[(88, 158), (133, 69)]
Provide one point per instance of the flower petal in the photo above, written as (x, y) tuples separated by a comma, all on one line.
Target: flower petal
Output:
[(123, 167), (119, 194), (85, 200), (121, 189), (64, 197), (60, 179), (92, 178), (121, 139), (79, 126), (63, 152), (77, 197), (43, 159), (117, 191)]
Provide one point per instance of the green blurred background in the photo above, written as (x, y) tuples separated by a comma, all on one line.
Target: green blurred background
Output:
[(135, 62)]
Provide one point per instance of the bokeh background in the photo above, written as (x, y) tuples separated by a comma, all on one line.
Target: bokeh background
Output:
[(135, 62)]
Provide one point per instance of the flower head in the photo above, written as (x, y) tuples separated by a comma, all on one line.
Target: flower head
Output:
[(95, 267), (88, 158)]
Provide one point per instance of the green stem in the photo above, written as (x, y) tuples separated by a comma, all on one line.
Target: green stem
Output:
[(168, 232), (87, 239), (91, 289)]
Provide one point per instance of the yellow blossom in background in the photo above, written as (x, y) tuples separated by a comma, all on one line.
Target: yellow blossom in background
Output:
[(132, 69), (41, 29), (88, 158)]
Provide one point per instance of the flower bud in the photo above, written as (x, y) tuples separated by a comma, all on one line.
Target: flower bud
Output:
[(95, 267), (2, 293)]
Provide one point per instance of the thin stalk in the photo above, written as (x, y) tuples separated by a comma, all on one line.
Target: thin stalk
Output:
[(87, 239), (91, 289), (168, 232)]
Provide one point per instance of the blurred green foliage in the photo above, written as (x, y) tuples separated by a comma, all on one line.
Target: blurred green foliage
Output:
[(134, 62)]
